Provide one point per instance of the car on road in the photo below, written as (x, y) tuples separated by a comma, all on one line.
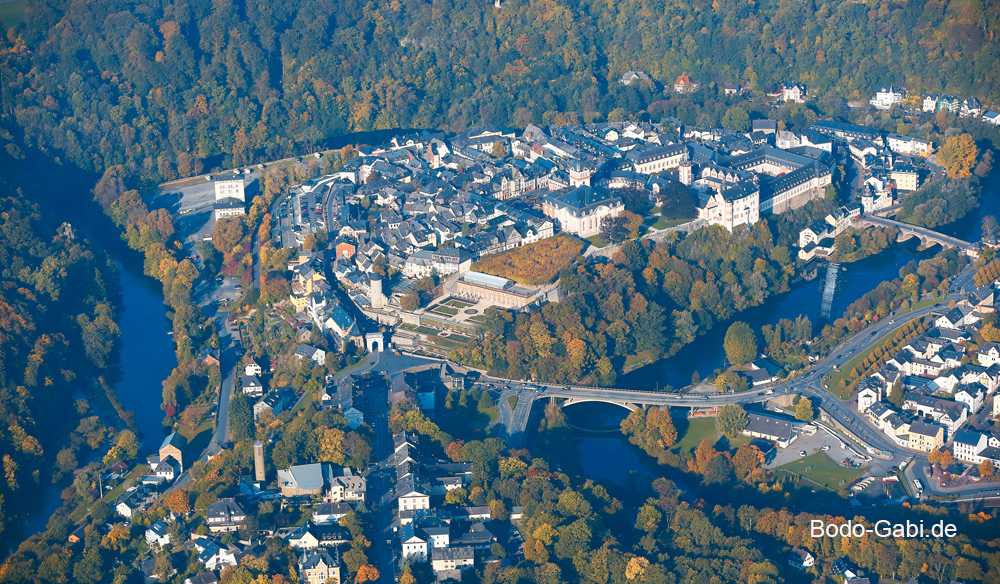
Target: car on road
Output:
[(802, 452), (769, 392), (838, 356), (873, 333), (825, 448)]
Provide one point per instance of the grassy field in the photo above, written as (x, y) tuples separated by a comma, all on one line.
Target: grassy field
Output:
[(823, 470), (695, 431), (845, 370), (596, 241), (512, 400), (455, 302), (490, 411), (444, 310), (199, 436), (661, 223)]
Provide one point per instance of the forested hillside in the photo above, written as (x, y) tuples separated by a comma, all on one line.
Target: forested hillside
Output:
[(58, 327), (158, 87)]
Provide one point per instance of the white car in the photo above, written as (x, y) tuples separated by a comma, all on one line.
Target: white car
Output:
[(802, 452), (769, 392), (825, 448)]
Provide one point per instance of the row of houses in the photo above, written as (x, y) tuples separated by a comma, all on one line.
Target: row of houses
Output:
[(452, 538), (943, 384)]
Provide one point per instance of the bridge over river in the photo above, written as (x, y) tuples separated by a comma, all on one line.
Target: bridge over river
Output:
[(906, 231)]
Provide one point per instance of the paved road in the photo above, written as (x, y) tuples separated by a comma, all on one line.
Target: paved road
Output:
[(809, 384)]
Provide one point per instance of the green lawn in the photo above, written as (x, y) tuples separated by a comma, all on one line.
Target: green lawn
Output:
[(661, 223), (199, 436), (823, 470), (512, 401), (487, 409), (596, 241), (459, 303), (698, 429), (445, 310), (655, 210), (306, 400)]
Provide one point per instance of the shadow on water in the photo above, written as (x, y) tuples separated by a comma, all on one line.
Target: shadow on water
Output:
[(706, 354)]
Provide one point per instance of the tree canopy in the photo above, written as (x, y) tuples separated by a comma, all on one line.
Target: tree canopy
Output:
[(740, 343)]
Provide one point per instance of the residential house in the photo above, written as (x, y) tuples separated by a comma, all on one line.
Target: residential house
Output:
[(157, 534), (225, 515), (203, 578), (414, 542), (631, 76), (320, 567), (331, 513), (173, 446), (683, 84), (251, 385), (968, 444), (972, 395), (253, 368), (410, 495), (304, 351), (925, 436), (971, 107), (887, 96), (274, 402), (801, 558), (930, 102), (793, 92), (346, 488), (459, 558)]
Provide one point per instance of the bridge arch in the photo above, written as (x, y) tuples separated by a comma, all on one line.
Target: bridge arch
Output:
[(572, 401)]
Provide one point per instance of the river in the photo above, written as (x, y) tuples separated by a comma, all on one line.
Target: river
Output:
[(147, 358), (854, 281)]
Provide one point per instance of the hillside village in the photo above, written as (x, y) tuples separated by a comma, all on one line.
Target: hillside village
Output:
[(427, 206), (381, 252)]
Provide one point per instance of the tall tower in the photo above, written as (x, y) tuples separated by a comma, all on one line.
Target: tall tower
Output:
[(258, 462), (685, 173), (579, 176), (375, 292)]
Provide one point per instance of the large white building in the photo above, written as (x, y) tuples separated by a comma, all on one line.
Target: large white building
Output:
[(887, 96), (230, 188), (581, 210)]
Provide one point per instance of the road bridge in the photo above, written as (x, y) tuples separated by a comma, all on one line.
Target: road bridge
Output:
[(906, 231)]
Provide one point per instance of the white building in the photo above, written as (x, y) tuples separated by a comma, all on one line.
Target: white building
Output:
[(887, 96), (230, 188), (581, 210), (909, 146), (793, 92)]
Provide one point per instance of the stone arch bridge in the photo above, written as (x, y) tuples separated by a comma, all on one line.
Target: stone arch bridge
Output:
[(906, 231)]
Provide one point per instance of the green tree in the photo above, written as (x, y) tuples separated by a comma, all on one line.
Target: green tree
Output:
[(241, 423), (804, 410), (731, 419), (896, 394), (736, 118), (740, 343)]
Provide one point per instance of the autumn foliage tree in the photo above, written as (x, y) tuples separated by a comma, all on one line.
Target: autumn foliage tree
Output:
[(958, 156), (178, 502)]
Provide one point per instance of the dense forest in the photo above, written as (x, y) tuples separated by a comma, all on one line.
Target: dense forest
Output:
[(160, 87), (58, 334)]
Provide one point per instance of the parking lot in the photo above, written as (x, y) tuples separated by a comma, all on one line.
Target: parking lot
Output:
[(811, 445)]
